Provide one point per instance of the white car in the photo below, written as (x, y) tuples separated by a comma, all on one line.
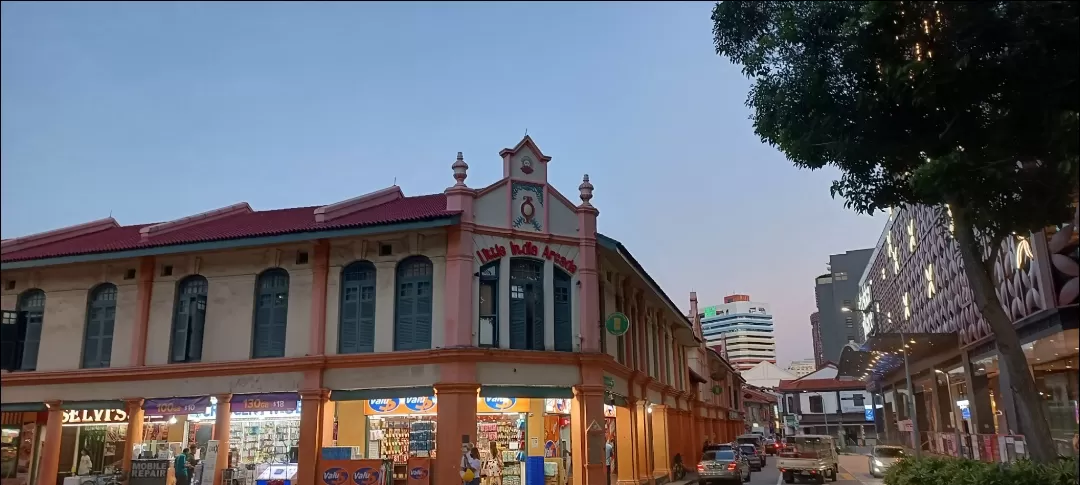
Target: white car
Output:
[(883, 457)]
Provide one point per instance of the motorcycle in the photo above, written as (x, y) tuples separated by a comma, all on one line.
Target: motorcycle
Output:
[(678, 471)]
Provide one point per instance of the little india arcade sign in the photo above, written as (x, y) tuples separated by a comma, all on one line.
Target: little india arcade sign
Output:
[(526, 249)]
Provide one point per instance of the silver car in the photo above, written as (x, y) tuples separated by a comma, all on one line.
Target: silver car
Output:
[(883, 457), (723, 466)]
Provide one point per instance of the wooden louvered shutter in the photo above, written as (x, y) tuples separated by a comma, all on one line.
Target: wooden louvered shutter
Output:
[(412, 320), (564, 338), (357, 315), (31, 308), (518, 327), (271, 314), (181, 325), (100, 321)]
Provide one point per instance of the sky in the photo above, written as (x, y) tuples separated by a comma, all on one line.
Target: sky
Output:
[(155, 111)]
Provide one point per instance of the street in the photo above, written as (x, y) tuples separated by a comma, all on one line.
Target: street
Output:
[(769, 475)]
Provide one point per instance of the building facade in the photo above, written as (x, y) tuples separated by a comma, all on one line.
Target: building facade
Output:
[(916, 284), (834, 292), (819, 403), (802, 367), (743, 329), (357, 323), (761, 411), (815, 334)]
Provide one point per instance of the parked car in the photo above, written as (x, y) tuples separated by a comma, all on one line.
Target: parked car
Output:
[(754, 439), (719, 447), (723, 467), (883, 457), (757, 462)]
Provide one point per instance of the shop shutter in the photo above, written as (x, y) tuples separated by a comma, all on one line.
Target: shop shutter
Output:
[(189, 320), (32, 309), (271, 314), (100, 320), (526, 304), (412, 309), (357, 321), (564, 334)]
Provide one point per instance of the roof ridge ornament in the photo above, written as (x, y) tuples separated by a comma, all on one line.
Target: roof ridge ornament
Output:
[(586, 191), (461, 170)]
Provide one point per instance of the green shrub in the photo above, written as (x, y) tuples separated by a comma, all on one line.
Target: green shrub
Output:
[(952, 471)]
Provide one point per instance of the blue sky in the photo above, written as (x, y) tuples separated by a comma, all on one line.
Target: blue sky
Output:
[(153, 111)]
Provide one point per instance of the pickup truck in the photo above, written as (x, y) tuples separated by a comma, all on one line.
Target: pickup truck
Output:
[(808, 456)]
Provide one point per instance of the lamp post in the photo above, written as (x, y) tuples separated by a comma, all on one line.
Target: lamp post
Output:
[(916, 439)]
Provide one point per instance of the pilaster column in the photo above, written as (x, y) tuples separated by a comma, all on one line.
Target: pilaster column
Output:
[(311, 407), (458, 290), (49, 463), (661, 443), (644, 471), (134, 431), (144, 292), (457, 427), (320, 272), (589, 289), (222, 422), (587, 432)]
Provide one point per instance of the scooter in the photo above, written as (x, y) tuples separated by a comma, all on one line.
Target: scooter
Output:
[(678, 471)]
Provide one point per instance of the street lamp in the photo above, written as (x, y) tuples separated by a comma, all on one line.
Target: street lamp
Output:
[(916, 439)]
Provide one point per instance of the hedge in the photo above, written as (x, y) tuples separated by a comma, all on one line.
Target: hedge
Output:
[(952, 471)]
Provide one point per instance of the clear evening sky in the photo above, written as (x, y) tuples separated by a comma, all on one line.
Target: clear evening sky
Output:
[(154, 111)]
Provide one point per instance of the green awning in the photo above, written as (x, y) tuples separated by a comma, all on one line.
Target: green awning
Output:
[(385, 393), (22, 407), (527, 392), (91, 405)]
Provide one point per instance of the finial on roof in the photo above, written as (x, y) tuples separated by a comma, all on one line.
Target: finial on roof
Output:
[(460, 170), (586, 191)]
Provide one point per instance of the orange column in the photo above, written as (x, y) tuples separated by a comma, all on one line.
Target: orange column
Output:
[(661, 458), (143, 291), (222, 422), (457, 428), (134, 431), (49, 463), (320, 269), (641, 442), (624, 446), (587, 430), (311, 421)]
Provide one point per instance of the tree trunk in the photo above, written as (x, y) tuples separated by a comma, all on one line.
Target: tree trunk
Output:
[(1031, 413)]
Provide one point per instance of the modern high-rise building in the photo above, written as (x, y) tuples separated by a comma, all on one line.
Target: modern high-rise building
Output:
[(802, 367), (741, 330), (815, 331), (836, 290)]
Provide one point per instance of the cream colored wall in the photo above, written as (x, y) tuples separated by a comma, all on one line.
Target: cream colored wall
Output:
[(500, 374), (155, 388), (490, 208), (67, 290), (231, 277), (381, 377), (562, 220), (345, 251)]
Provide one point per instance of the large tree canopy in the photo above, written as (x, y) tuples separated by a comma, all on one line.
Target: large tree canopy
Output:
[(966, 105)]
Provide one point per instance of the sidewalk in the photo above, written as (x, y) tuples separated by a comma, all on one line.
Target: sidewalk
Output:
[(689, 479), (858, 467)]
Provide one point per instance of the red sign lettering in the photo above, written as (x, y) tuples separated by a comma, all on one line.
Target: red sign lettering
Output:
[(527, 248)]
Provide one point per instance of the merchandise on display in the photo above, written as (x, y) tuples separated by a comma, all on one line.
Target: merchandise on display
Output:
[(508, 430), (399, 437), (264, 441)]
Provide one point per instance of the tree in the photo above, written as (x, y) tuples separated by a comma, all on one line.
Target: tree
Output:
[(967, 106)]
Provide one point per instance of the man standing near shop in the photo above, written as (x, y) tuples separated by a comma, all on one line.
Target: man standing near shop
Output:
[(180, 468), (609, 454)]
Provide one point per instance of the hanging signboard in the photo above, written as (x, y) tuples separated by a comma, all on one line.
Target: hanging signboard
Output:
[(96, 416), (617, 324), (281, 401), (149, 472), (176, 406)]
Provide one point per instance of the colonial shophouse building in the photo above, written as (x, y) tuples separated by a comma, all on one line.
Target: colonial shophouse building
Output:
[(401, 325)]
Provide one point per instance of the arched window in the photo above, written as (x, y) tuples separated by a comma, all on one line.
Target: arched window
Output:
[(271, 314), (189, 320), (412, 309), (100, 319), (31, 308), (489, 305), (564, 331), (526, 304), (356, 324)]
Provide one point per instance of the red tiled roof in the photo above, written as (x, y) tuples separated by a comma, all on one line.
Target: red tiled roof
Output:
[(238, 226), (819, 385)]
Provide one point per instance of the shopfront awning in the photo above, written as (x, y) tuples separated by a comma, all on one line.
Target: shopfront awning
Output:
[(538, 392), (22, 407), (384, 393), (883, 353)]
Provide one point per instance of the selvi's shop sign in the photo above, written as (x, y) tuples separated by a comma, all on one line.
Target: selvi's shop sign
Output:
[(498, 251)]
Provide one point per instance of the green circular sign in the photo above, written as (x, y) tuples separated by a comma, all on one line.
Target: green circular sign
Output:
[(617, 324)]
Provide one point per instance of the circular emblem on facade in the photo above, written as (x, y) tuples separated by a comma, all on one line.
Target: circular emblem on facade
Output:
[(527, 209), (526, 166), (617, 324)]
